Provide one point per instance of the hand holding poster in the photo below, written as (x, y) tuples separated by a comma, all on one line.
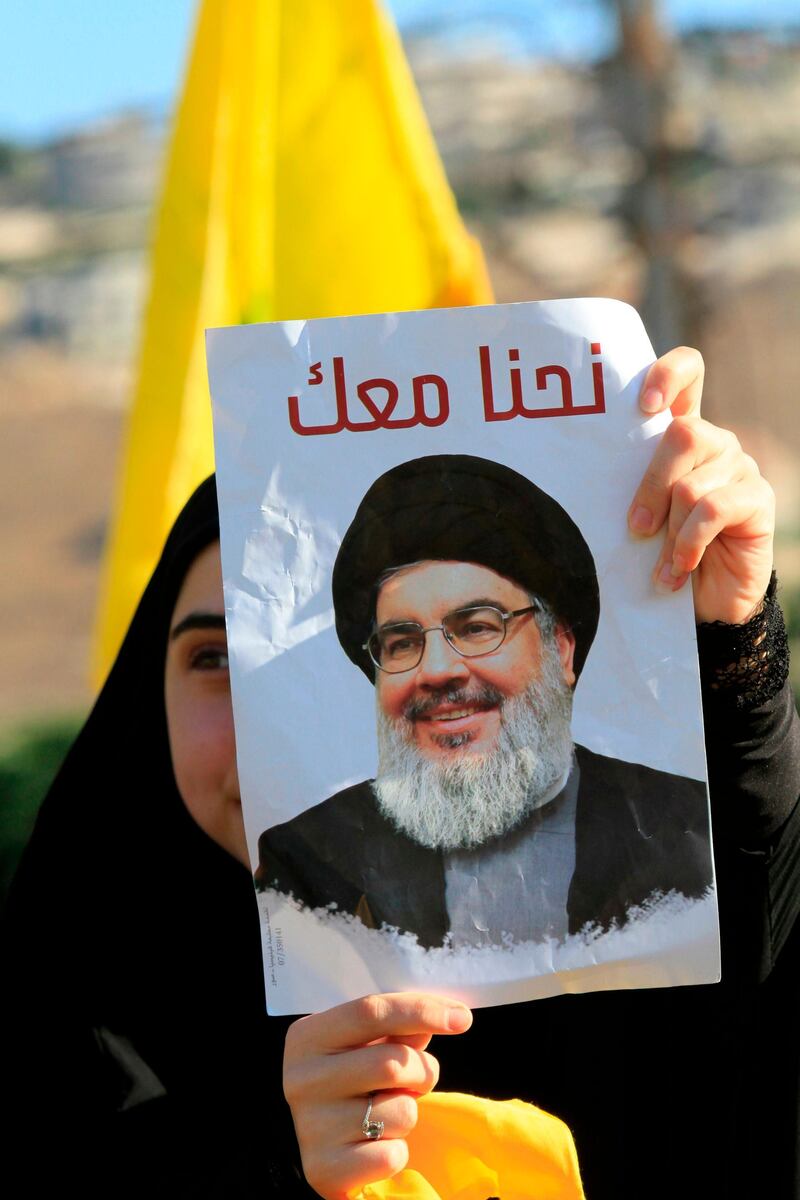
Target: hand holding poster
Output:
[(468, 730)]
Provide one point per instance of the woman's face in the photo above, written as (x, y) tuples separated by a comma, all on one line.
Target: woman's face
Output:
[(198, 703)]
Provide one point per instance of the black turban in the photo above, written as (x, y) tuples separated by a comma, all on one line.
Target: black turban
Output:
[(455, 507)]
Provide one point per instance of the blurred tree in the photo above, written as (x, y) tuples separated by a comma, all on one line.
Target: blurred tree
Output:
[(28, 763), (645, 79), (8, 156)]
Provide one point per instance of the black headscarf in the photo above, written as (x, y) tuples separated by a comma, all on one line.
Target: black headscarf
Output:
[(135, 1022)]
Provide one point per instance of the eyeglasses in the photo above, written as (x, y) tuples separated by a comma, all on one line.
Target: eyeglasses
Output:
[(470, 631)]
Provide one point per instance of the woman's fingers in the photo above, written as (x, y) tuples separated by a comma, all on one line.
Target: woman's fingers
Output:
[(733, 560), (718, 518), (394, 1014), (342, 1126), (721, 507), (335, 1061), (420, 1041), (343, 1153), (388, 1065), (335, 1171), (687, 444), (674, 381), (336, 1152)]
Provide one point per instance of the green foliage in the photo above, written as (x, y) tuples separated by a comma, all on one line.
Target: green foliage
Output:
[(29, 759), (9, 154), (790, 603)]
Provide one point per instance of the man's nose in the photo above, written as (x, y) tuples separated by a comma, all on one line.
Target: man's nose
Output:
[(440, 661)]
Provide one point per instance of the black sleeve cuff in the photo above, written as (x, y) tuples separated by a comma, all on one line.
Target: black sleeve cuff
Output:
[(744, 666)]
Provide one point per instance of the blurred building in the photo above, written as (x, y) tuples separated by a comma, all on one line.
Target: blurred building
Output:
[(111, 164), (73, 256), (89, 307)]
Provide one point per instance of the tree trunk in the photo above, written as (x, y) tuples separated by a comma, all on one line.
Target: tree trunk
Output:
[(646, 60)]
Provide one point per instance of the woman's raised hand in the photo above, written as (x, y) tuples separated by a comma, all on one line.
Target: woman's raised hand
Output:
[(717, 511), (335, 1061)]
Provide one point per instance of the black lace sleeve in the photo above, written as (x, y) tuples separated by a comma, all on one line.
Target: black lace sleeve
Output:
[(745, 666)]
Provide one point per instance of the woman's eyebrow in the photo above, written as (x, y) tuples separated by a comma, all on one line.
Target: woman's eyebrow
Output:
[(198, 620)]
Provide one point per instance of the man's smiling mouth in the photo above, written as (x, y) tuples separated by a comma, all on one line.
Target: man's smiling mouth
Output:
[(453, 715), (453, 706)]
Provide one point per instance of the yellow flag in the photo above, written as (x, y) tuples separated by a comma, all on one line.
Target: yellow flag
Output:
[(468, 1148), (302, 181)]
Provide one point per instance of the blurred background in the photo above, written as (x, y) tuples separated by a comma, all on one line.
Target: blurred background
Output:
[(625, 148)]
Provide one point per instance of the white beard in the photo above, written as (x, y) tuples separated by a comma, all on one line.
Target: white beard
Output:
[(457, 801)]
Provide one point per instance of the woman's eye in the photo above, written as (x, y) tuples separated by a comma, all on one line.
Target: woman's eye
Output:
[(209, 658)]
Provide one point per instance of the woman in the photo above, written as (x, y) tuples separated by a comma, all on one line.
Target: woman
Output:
[(139, 1058), (138, 1029)]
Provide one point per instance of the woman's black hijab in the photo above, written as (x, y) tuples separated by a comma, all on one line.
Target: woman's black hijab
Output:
[(131, 942)]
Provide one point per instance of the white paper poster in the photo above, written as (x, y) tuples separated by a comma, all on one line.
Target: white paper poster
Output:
[(468, 729)]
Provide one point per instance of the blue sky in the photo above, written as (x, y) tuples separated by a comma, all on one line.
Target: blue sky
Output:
[(65, 61)]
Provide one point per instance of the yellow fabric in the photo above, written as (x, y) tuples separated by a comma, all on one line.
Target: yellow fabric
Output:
[(302, 181), (468, 1148)]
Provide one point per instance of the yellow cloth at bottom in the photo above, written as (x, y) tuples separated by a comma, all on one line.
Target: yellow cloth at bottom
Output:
[(468, 1148)]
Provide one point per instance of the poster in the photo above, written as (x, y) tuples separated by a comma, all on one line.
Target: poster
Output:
[(468, 728)]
